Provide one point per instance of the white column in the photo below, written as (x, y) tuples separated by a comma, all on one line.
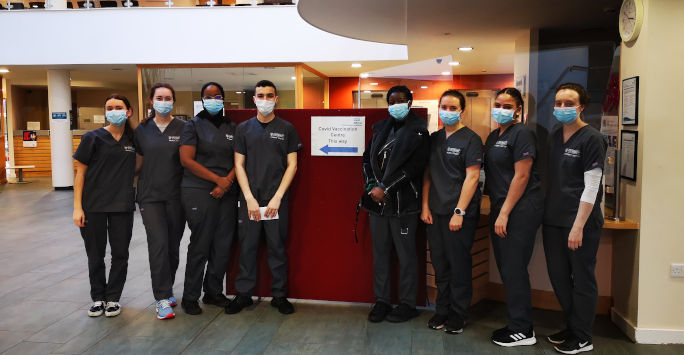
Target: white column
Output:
[(61, 146), (56, 4)]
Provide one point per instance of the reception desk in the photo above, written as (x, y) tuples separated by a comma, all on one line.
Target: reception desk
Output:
[(39, 156)]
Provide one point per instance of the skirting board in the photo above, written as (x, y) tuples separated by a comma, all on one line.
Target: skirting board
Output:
[(645, 335), (545, 299)]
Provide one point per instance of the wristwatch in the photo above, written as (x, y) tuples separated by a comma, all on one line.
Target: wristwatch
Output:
[(459, 211)]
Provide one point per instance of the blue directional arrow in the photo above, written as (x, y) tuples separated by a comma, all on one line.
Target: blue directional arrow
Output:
[(328, 149)]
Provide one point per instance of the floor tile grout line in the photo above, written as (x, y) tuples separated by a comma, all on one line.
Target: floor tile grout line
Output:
[(200, 332)]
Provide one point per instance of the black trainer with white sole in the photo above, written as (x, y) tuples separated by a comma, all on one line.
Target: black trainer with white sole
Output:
[(508, 338), (112, 309), (560, 337), (97, 309), (574, 346), (437, 321), (454, 325)]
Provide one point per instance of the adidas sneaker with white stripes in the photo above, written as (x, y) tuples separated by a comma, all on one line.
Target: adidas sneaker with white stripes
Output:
[(508, 338)]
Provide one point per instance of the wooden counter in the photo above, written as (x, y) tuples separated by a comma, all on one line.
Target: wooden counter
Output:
[(621, 225)]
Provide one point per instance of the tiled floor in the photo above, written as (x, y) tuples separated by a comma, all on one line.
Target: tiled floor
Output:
[(44, 295)]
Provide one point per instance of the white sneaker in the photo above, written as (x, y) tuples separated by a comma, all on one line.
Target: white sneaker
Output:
[(113, 309), (96, 309)]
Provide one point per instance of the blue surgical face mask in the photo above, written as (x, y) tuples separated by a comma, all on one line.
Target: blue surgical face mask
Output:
[(163, 107), (565, 115), (399, 111), (116, 117), (213, 106), (449, 117), (502, 116)]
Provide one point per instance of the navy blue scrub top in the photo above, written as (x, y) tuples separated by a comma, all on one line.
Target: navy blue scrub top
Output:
[(449, 158), (161, 173), (584, 151), (518, 142), (214, 149), (108, 185), (265, 148)]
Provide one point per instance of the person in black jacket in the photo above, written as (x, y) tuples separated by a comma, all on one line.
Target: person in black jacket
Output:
[(393, 165)]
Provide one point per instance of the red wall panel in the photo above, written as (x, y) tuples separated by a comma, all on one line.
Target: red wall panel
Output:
[(324, 261)]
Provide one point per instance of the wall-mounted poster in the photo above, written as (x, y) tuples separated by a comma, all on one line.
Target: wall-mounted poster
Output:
[(630, 101), (628, 145), (30, 139)]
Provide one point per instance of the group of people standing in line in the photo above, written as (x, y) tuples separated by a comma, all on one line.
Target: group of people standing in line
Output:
[(410, 174), (188, 171)]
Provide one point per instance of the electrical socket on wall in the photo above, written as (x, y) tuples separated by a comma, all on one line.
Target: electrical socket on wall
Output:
[(677, 270)]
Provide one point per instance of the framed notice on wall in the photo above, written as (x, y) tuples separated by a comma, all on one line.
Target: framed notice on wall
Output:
[(628, 145), (630, 101)]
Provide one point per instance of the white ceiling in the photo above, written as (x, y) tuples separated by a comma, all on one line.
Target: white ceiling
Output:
[(430, 29), (436, 28)]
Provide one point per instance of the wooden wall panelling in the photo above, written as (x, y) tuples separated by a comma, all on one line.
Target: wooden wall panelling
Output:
[(40, 156)]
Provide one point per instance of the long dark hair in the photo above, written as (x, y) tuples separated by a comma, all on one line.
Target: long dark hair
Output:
[(128, 129), (152, 90), (517, 96)]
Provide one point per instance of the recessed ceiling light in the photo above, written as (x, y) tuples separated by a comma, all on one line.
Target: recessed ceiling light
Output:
[(356, 65), (364, 75), (465, 49), (3, 71), (446, 73), (424, 87), (453, 64), (238, 92), (374, 84), (293, 78), (366, 91)]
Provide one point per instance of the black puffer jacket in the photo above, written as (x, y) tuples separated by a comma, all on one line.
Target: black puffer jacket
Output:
[(405, 163)]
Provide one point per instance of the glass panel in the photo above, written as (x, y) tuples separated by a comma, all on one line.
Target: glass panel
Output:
[(314, 90), (238, 84)]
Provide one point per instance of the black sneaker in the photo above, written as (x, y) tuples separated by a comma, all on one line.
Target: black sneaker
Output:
[(454, 325), (438, 321), (97, 309), (574, 346), (284, 306), (217, 300), (191, 307), (379, 312), (402, 313), (112, 309), (508, 338), (238, 303), (560, 337)]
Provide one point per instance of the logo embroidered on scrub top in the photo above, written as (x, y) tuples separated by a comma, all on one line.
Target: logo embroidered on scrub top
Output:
[(229, 137), (453, 151), (129, 148), (501, 144), (174, 139), (572, 153), (279, 136)]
